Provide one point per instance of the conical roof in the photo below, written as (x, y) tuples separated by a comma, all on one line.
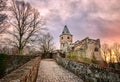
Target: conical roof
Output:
[(66, 30)]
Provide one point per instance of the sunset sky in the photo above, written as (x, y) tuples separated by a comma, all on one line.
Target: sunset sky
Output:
[(84, 18)]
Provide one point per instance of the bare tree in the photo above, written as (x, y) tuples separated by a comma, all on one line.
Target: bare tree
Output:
[(105, 48), (46, 44), (116, 50), (26, 24), (110, 54), (107, 53), (2, 15)]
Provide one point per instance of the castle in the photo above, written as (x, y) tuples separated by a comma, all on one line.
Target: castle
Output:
[(86, 47)]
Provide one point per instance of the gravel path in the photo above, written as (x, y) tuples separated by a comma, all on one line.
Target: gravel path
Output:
[(50, 71)]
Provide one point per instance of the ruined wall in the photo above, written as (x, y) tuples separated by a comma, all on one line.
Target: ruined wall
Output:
[(90, 73), (93, 49), (88, 48), (79, 45), (25, 73)]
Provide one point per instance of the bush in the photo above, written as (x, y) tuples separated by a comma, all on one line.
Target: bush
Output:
[(95, 61), (75, 56), (72, 56), (3, 64), (85, 60)]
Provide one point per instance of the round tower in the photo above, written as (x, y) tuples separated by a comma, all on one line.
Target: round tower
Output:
[(66, 39)]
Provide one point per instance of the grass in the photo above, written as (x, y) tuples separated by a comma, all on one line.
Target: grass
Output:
[(76, 57)]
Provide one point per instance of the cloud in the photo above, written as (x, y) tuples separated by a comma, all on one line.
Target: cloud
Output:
[(94, 18)]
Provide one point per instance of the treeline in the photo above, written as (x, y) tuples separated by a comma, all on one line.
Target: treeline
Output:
[(111, 55)]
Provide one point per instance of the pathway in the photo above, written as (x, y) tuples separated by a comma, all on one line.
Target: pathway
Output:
[(50, 71)]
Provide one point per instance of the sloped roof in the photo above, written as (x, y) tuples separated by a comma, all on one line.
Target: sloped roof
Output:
[(66, 30)]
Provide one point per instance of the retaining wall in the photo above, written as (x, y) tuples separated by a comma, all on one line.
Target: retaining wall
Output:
[(90, 72), (25, 73)]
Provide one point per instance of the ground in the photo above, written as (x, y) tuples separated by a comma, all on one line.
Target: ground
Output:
[(50, 71)]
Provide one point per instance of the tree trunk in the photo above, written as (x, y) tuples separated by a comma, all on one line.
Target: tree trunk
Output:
[(20, 51)]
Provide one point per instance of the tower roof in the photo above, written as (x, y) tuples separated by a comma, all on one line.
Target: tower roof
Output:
[(66, 30)]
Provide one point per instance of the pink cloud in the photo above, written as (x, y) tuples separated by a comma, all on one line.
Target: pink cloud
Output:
[(94, 18)]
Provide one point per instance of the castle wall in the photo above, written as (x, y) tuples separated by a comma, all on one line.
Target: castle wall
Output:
[(88, 48)]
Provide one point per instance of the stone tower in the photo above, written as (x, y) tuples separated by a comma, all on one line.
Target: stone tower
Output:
[(66, 39)]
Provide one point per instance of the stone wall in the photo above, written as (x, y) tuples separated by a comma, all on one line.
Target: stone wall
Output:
[(25, 73), (15, 61), (88, 48), (90, 73)]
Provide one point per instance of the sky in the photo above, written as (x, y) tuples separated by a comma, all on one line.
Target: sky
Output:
[(97, 19)]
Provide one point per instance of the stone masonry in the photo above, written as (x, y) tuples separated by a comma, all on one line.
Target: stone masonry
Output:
[(88, 48), (25, 73), (90, 73)]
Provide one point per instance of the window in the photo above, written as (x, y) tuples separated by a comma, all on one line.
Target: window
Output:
[(96, 50), (68, 37)]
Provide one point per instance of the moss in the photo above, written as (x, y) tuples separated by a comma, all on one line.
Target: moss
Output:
[(74, 55)]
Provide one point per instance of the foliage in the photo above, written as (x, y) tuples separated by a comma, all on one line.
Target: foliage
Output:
[(111, 53), (114, 65), (104, 51), (3, 64), (62, 54), (116, 50), (73, 55), (85, 60), (94, 61)]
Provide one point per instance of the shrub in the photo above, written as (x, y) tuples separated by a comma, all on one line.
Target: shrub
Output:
[(3, 64), (77, 57), (95, 61), (85, 60), (72, 55)]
